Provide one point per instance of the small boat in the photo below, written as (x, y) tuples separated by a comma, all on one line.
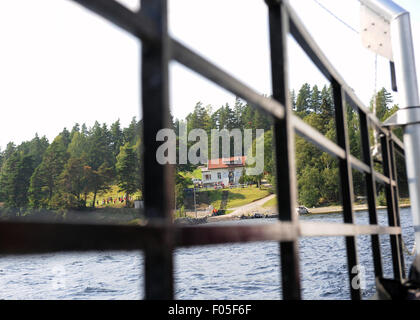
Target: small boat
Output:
[(302, 210)]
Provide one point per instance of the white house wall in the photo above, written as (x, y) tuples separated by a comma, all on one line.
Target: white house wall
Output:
[(237, 172)]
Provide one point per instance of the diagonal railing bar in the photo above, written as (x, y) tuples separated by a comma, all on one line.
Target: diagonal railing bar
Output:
[(302, 36), (205, 68), (159, 237), (379, 177), (323, 143), (359, 165), (137, 24), (317, 138), (144, 28)]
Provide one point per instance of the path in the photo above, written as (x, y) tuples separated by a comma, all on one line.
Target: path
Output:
[(245, 209)]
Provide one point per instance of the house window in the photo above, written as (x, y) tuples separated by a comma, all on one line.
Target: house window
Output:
[(207, 176), (219, 175)]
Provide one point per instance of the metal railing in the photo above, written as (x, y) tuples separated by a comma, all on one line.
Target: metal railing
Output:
[(159, 237)]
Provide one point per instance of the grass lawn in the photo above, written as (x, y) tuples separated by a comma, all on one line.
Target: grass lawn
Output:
[(404, 201), (195, 174), (114, 193), (238, 196), (270, 203)]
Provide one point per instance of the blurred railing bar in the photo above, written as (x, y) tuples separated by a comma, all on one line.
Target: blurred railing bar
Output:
[(37, 237)]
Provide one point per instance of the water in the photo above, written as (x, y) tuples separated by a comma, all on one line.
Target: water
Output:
[(238, 271)]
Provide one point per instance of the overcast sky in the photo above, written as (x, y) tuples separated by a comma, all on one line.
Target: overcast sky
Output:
[(61, 64)]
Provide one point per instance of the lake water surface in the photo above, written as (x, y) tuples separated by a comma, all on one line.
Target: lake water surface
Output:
[(234, 271)]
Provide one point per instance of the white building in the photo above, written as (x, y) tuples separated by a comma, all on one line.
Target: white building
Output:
[(223, 170)]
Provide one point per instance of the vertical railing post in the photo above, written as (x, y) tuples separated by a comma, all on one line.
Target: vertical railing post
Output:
[(284, 147), (371, 194), (158, 180), (396, 203), (397, 262), (346, 180)]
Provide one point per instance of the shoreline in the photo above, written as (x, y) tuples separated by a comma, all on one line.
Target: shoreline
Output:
[(338, 209), (269, 213)]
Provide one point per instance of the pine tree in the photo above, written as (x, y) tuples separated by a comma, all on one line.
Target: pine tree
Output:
[(293, 99), (74, 182), (37, 148), (99, 148), (127, 170), (14, 180), (100, 180), (65, 134), (315, 99), (76, 128), (44, 180), (10, 149), (117, 137), (78, 146), (132, 132), (84, 130), (303, 100), (327, 105), (238, 110), (383, 104), (200, 118)]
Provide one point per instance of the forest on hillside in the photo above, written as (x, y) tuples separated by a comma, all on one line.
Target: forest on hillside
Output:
[(78, 165), (38, 174)]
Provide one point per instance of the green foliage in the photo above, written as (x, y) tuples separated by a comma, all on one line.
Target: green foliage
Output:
[(117, 137), (181, 182), (75, 181), (309, 182), (127, 170), (303, 100), (83, 163), (317, 173), (76, 166), (14, 180), (45, 179), (383, 104), (381, 198)]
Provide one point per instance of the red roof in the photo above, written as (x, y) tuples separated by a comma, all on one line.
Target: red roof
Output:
[(223, 163)]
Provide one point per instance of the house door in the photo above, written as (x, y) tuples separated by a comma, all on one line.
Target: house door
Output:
[(230, 176)]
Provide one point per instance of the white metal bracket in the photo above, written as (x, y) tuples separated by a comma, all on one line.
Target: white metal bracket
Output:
[(375, 32)]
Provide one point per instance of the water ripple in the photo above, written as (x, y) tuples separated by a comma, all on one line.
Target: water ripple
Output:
[(237, 271)]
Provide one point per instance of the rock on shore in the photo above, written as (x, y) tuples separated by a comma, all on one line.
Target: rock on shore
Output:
[(190, 221)]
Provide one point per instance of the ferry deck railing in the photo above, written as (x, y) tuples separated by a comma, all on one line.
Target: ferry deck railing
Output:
[(159, 237)]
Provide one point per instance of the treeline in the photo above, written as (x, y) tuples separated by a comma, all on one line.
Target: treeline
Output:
[(239, 116), (84, 161), (79, 164), (317, 172)]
